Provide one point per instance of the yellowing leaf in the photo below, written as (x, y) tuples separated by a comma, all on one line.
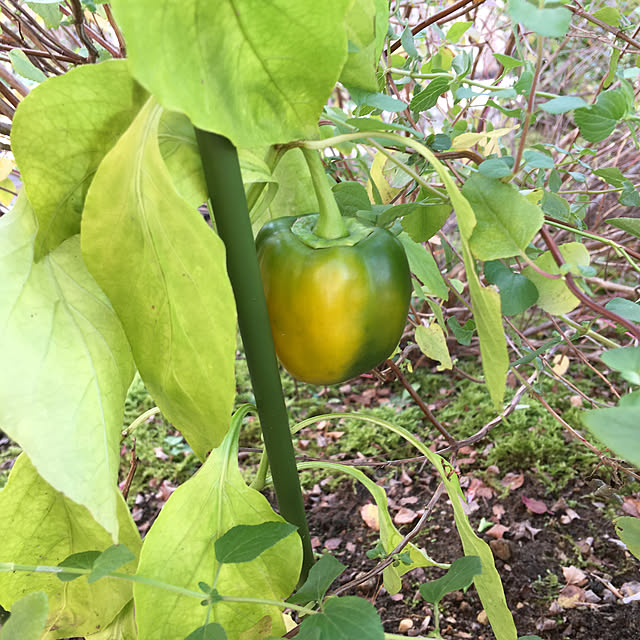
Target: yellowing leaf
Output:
[(380, 179), (433, 344), (6, 167), (555, 297), (179, 549), (48, 531), (468, 140), (164, 271)]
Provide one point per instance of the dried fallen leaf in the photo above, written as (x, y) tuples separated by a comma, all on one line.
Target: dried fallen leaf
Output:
[(631, 506), (512, 480), (497, 531), (479, 489), (498, 511), (560, 364), (569, 515), (160, 454), (501, 549), (369, 513), (405, 516), (571, 596), (332, 543), (405, 625), (573, 575), (524, 530), (535, 506)]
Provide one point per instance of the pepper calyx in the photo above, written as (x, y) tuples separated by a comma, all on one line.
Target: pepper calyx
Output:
[(304, 225)]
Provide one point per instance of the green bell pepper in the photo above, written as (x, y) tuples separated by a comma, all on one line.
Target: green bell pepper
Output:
[(337, 307)]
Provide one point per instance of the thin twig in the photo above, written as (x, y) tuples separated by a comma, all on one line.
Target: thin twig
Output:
[(420, 402)]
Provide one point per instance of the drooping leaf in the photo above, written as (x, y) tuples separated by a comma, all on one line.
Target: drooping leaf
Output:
[(50, 530), (554, 295), (286, 58), (390, 537), (28, 618), (517, 292), (433, 344), (459, 576), (424, 266), (343, 618), (626, 360), (179, 549), (321, 576), (506, 221), (61, 131), (485, 301), (617, 428), (66, 366), (245, 542), (179, 149), (553, 22), (488, 583), (164, 271), (629, 531)]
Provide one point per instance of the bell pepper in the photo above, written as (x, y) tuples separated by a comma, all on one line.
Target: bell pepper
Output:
[(337, 306)]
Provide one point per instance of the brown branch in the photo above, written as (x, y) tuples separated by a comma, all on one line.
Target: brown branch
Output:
[(436, 17), (585, 299), (618, 33), (420, 402), (116, 30), (38, 53), (78, 17), (12, 81)]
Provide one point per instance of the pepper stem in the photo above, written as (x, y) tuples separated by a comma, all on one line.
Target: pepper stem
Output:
[(330, 225)]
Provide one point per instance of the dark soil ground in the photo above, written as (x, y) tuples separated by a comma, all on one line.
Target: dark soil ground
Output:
[(530, 558), (566, 575)]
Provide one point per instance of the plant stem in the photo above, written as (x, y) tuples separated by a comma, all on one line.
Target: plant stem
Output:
[(226, 191), (330, 223)]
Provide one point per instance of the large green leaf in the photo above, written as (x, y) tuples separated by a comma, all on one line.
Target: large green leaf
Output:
[(164, 271), (179, 549), (122, 627), (61, 132), (360, 68), (506, 221), (255, 72), (618, 429), (49, 530), (28, 618), (554, 295), (66, 366)]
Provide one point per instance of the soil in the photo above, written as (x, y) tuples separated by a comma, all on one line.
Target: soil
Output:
[(530, 557)]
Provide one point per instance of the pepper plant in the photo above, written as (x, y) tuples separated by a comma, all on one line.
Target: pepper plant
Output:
[(109, 267)]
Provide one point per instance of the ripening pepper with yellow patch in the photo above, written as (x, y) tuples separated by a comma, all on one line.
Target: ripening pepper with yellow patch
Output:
[(337, 305)]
